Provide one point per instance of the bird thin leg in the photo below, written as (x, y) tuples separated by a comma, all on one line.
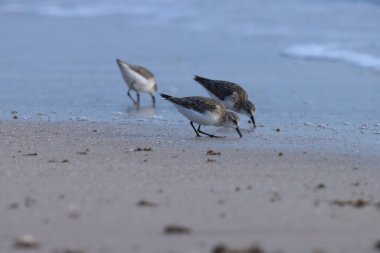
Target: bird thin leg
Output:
[(130, 96), (138, 98), (210, 135), (153, 99), (195, 130)]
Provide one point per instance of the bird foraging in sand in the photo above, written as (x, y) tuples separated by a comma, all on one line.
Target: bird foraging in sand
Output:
[(138, 79), (205, 111), (232, 95)]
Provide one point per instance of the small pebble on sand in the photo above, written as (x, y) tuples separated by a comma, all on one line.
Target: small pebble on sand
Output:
[(143, 149), (31, 154), (212, 152), (145, 203), (321, 186), (221, 248), (26, 241), (176, 229)]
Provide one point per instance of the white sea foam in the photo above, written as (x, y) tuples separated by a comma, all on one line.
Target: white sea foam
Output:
[(334, 52)]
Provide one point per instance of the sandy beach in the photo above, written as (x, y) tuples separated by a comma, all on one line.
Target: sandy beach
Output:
[(101, 187), (83, 171)]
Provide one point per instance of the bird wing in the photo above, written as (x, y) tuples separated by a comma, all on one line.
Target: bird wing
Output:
[(221, 89), (199, 104), (142, 71)]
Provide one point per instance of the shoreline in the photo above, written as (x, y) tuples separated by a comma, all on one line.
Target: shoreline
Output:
[(69, 184), (338, 139)]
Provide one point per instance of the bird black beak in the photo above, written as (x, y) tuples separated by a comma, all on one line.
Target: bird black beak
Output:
[(238, 131), (253, 121)]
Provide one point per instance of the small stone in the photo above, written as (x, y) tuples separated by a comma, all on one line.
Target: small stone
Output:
[(175, 229), (359, 203), (321, 186), (83, 152), (224, 249), (31, 154), (145, 203), (143, 149), (26, 242), (220, 249), (356, 184), (212, 152), (280, 154), (278, 130)]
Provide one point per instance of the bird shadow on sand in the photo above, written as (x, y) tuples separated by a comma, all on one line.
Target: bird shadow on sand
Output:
[(209, 140), (220, 135)]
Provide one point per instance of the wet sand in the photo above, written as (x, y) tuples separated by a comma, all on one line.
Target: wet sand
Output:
[(107, 187)]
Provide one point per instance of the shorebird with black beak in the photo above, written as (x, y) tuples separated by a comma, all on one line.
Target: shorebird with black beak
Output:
[(232, 95), (138, 79), (205, 111)]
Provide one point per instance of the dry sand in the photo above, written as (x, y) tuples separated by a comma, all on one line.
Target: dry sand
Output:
[(85, 187)]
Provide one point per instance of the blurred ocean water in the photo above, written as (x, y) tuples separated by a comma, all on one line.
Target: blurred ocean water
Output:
[(349, 24), (58, 57)]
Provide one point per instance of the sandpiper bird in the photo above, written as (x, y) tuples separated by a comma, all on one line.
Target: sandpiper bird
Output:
[(138, 79), (233, 96), (205, 111)]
